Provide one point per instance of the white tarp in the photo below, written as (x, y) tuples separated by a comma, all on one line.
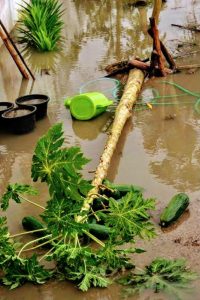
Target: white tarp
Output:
[(8, 12)]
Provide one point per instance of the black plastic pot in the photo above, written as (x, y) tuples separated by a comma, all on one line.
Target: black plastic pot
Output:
[(20, 120), (4, 106), (38, 100)]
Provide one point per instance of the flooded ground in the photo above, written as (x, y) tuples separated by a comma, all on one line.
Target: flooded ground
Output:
[(159, 148)]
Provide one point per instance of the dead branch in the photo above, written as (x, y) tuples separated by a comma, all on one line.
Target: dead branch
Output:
[(183, 67), (192, 28)]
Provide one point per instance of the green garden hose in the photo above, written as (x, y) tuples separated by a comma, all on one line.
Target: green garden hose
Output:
[(154, 102)]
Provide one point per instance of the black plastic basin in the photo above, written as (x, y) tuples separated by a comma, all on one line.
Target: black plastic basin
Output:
[(38, 100), (20, 120), (4, 106)]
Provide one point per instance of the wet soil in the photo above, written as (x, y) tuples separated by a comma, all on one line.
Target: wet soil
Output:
[(158, 149), (3, 107), (19, 112), (33, 101)]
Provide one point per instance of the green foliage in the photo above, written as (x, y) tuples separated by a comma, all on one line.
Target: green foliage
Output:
[(40, 24), (7, 250), (80, 264), (129, 216), (20, 271), (170, 276), (59, 218), (68, 226), (60, 169), (15, 270), (14, 191)]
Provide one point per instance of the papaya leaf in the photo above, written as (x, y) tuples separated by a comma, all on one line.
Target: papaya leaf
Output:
[(7, 250), (93, 278), (59, 218), (25, 270), (59, 167), (14, 191), (129, 216), (170, 276)]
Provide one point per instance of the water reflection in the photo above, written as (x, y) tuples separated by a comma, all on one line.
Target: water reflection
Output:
[(173, 144), (15, 159), (42, 62), (89, 130)]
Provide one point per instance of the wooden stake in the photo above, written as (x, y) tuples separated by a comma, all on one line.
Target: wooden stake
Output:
[(16, 49), (156, 10), (14, 54), (156, 46), (165, 52)]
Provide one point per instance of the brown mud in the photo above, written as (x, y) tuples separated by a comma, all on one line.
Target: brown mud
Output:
[(159, 148)]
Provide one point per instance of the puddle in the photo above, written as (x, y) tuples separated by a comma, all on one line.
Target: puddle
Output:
[(159, 148)]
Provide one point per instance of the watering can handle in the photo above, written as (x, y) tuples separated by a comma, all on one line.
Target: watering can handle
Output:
[(110, 102)]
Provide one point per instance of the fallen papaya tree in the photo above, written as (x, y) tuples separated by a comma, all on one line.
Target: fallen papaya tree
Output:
[(80, 213), (118, 216), (123, 112)]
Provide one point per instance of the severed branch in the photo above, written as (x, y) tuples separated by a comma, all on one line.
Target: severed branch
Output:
[(184, 67), (192, 28), (125, 66), (134, 63), (122, 65)]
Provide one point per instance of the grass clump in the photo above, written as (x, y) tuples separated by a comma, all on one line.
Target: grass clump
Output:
[(41, 24)]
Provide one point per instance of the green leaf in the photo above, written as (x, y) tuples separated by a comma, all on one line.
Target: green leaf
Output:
[(170, 276), (93, 279), (129, 217), (59, 218), (14, 192), (7, 250), (25, 270), (59, 167), (40, 24)]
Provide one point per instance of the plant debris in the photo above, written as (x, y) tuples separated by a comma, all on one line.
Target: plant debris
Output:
[(170, 276), (122, 214)]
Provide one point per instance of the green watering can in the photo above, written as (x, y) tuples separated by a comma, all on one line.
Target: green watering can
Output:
[(87, 106)]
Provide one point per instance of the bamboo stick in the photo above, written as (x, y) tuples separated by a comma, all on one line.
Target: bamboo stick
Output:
[(123, 112), (14, 54), (16, 49)]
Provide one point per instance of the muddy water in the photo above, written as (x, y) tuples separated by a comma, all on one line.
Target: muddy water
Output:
[(159, 148)]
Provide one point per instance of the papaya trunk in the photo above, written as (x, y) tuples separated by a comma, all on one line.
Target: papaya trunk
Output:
[(123, 112)]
